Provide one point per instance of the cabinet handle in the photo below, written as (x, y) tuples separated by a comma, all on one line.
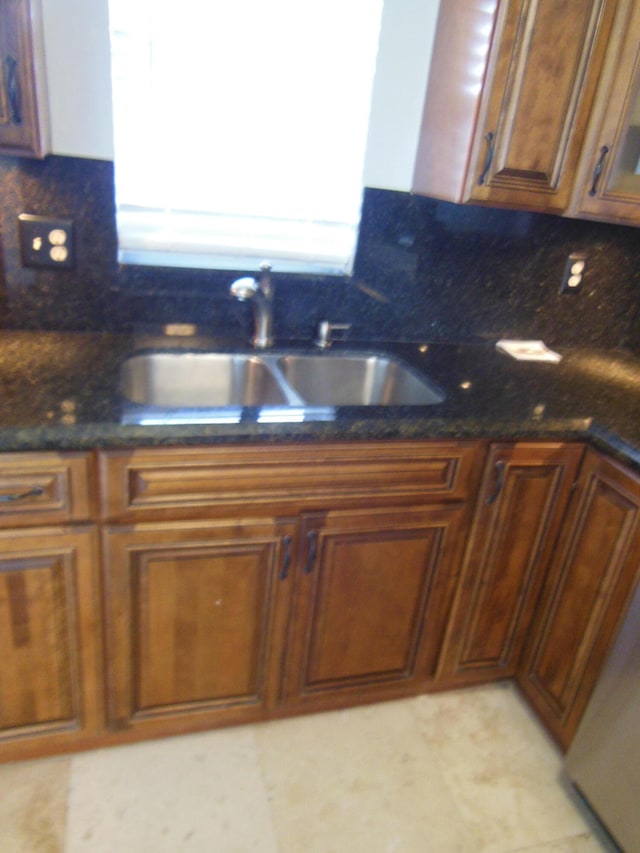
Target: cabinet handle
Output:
[(286, 558), (500, 469), (13, 91), (312, 539), (598, 170), (20, 496), (490, 139)]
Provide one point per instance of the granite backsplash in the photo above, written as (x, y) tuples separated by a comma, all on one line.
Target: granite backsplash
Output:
[(425, 270)]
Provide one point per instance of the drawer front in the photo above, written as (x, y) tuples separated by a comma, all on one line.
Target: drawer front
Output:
[(142, 484), (44, 488)]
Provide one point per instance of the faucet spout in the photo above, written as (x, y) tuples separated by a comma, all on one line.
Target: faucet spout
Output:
[(260, 291)]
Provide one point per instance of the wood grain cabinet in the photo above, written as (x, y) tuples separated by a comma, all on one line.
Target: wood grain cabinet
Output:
[(589, 585), (510, 91), (196, 613), (24, 124), (51, 694), (608, 180), (246, 581), (149, 592), (374, 591), (521, 506)]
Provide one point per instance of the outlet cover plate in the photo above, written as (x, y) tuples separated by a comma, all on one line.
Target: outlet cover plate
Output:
[(46, 241)]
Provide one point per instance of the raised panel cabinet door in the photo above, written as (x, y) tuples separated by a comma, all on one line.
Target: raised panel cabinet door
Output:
[(50, 648), (521, 505), (589, 585), (373, 594), (548, 57), (608, 181), (510, 90), (24, 125), (193, 621)]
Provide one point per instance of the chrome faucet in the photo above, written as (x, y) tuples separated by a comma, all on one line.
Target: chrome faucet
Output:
[(260, 292)]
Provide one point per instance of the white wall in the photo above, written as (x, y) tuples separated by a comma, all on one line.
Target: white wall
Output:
[(76, 45), (76, 35), (404, 55)]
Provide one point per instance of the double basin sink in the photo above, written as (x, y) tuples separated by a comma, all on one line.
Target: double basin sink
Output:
[(200, 386)]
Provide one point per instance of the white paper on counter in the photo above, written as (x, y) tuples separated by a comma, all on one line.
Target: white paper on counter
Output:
[(528, 350)]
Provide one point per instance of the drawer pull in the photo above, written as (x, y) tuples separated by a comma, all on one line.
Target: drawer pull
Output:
[(490, 139), (12, 89), (20, 496), (286, 558), (500, 469), (598, 170), (312, 539)]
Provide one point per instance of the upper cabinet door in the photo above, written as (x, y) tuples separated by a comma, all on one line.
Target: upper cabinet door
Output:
[(608, 184), (509, 95), (24, 130)]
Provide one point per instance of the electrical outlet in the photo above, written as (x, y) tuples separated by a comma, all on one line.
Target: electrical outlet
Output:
[(46, 241), (574, 270)]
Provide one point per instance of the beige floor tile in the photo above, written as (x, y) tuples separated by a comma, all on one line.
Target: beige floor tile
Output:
[(33, 804), (501, 768), (193, 794), (584, 843), (358, 780)]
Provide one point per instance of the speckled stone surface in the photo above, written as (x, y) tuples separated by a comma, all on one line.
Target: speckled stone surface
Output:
[(424, 270), (60, 391)]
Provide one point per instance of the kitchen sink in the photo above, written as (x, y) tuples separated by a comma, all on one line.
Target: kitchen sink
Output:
[(208, 387), (200, 380), (357, 379)]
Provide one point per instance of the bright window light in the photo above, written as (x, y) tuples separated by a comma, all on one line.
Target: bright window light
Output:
[(240, 130)]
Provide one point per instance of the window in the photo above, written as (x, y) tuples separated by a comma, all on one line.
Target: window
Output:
[(240, 130)]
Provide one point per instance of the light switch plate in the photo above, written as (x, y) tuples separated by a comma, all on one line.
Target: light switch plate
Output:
[(46, 241)]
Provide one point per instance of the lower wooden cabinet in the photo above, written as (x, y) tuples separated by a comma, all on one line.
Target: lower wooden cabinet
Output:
[(51, 689), (587, 590), (336, 590), (218, 596), (373, 594), (521, 506), (195, 615)]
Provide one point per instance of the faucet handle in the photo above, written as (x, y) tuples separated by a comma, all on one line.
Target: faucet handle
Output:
[(325, 331)]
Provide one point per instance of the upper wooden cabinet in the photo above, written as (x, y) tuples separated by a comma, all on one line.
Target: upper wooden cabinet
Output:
[(510, 91), (608, 179), (24, 124)]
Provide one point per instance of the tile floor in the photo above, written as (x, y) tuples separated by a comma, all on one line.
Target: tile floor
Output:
[(465, 771)]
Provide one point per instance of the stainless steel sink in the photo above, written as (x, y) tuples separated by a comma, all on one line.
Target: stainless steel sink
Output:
[(357, 379), (209, 387), (200, 380)]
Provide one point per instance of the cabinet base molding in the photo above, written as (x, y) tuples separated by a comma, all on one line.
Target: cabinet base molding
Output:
[(25, 749)]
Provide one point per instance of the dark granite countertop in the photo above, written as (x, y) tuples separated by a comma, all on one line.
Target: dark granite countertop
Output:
[(60, 391)]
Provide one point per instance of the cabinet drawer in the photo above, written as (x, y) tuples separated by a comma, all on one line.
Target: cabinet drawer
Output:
[(261, 479), (44, 488)]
